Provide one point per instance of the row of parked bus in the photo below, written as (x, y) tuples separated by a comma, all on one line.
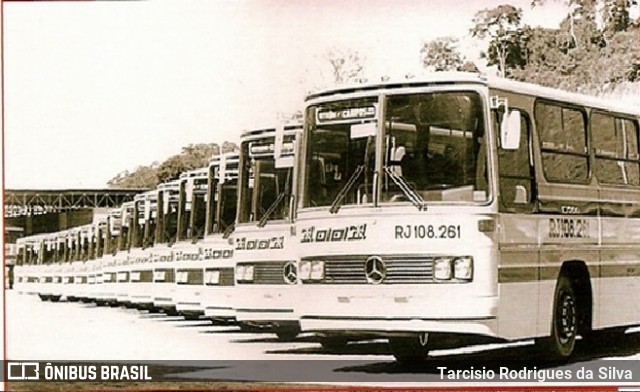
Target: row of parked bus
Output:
[(430, 212)]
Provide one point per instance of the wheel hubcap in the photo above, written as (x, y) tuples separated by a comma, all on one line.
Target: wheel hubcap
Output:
[(423, 339), (566, 317)]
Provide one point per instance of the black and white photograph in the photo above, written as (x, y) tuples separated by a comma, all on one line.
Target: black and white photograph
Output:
[(321, 195)]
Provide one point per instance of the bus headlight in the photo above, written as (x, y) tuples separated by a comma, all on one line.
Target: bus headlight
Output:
[(212, 277), (463, 268), (244, 273), (182, 277), (442, 268), (305, 270), (317, 270), (248, 274), (240, 272), (159, 276)]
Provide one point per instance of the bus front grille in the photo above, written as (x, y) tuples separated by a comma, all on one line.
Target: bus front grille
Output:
[(268, 272), (399, 270)]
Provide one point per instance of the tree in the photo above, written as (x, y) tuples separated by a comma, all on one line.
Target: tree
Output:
[(469, 66), (614, 13), (346, 65), (616, 16), (581, 56), (502, 26), (229, 147), (441, 54), (143, 177), (191, 157)]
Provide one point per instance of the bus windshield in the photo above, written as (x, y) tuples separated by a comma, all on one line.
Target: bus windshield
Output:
[(434, 145), (340, 155), (265, 190), (226, 205), (434, 150)]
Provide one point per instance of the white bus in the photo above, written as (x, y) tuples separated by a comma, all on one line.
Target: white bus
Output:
[(108, 263), (265, 246), (219, 292), (187, 252), (121, 258), (37, 245), (12, 268), (81, 264), (68, 275), (42, 246), (97, 293), (140, 256), (20, 272), (164, 286), (52, 267), (458, 206)]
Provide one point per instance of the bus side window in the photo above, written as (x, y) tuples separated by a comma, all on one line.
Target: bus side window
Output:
[(515, 169)]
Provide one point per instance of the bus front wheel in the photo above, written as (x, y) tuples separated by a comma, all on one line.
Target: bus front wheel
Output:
[(410, 349), (564, 324)]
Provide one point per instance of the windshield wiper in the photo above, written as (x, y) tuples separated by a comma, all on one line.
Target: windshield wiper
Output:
[(335, 206), (408, 191), (269, 211), (228, 229)]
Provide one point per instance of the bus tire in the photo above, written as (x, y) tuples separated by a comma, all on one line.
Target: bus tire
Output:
[(287, 334), (333, 342), (410, 349), (564, 322)]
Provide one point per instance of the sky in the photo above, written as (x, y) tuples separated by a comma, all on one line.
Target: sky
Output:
[(95, 88)]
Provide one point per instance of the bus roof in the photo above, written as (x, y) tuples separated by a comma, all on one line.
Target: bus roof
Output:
[(199, 172), (444, 78), (561, 95), (268, 132), (229, 156)]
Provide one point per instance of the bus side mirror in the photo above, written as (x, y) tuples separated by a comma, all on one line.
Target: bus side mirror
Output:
[(510, 130)]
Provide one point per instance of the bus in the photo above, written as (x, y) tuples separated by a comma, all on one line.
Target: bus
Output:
[(121, 258), (164, 286), (140, 257), (265, 245), (51, 274), (20, 273), (11, 235), (81, 265), (68, 275), (108, 265), (93, 263), (38, 250), (219, 292), (188, 254), (457, 206)]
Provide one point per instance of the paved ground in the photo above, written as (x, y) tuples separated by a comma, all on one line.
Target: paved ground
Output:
[(71, 331)]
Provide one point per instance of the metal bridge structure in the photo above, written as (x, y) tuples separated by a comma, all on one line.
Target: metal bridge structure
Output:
[(29, 202)]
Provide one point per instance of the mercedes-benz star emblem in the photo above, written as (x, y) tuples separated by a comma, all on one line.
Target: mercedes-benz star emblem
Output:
[(290, 272), (375, 270)]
